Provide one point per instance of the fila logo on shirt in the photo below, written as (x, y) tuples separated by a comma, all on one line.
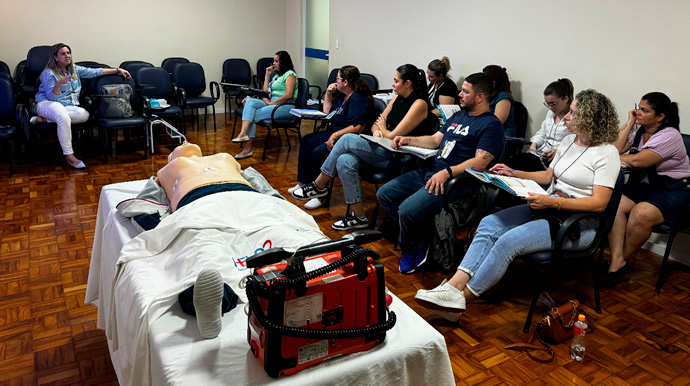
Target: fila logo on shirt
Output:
[(459, 129)]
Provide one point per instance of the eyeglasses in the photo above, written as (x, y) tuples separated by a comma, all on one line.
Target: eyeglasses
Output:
[(551, 104), (338, 78)]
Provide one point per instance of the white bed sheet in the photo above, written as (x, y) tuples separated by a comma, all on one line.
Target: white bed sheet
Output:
[(414, 352)]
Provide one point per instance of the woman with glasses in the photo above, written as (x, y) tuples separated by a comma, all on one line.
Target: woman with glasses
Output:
[(57, 99), (581, 177), (502, 99), (406, 114), (659, 183), (557, 97), (349, 103), (442, 89)]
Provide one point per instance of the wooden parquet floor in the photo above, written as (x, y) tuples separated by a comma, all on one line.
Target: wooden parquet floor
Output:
[(48, 336)]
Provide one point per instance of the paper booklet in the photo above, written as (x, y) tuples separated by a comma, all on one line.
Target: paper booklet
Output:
[(386, 143), (447, 111), (516, 186), (308, 113)]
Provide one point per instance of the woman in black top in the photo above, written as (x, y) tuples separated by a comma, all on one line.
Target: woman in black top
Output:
[(442, 90), (407, 114), (349, 102)]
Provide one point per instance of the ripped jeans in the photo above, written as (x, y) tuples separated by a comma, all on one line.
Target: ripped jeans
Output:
[(505, 235)]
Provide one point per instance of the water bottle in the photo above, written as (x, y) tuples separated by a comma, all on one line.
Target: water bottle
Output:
[(577, 348)]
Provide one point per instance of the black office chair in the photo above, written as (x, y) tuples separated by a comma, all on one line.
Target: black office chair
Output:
[(235, 71), (87, 84), (544, 259), (91, 64), (36, 60), (169, 64), (293, 123), (673, 230), (5, 69), (7, 77), (36, 131), (154, 83), (107, 125), (18, 75), (128, 62), (372, 82), (516, 143), (8, 118), (190, 77), (261, 66), (133, 67)]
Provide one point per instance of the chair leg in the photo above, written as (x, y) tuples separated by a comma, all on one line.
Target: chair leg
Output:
[(287, 138), (327, 201), (537, 291), (213, 110), (268, 136), (664, 261), (10, 145), (233, 127), (595, 276)]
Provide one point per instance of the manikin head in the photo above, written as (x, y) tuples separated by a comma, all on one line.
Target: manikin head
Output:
[(186, 149)]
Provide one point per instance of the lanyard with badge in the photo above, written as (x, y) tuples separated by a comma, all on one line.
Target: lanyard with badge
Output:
[(73, 94)]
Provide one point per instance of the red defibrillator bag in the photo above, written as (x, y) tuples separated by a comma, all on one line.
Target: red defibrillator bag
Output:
[(328, 300)]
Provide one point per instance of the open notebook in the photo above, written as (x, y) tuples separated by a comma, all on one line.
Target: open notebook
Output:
[(386, 143), (516, 186)]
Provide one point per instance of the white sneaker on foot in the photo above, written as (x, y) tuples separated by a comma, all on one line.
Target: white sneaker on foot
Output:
[(315, 203), (208, 301), (444, 300), (299, 185)]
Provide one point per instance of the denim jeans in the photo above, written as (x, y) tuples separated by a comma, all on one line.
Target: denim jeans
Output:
[(312, 153), (256, 109), (350, 153), (414, 208), (505, 235)]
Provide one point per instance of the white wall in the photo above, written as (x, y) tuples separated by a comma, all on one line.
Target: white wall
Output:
[(622, 48), (204, 31)]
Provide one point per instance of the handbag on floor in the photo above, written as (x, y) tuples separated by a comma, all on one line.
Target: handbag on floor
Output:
[(555, 327)]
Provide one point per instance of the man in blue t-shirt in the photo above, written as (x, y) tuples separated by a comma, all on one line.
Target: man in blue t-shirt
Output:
[(472, 137)]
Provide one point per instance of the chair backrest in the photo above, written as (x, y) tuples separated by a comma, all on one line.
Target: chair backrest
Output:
[(686, 142), (128, 62), (135, 67), (190, 77), (169, 63), (7, 102), (115, 79), (302, 93), (261, 66), (154, 82), (379, 106), (332, 77), (4, 68), (36, 60), (237, 71), (521, 115), (371, 81), (91, 64), (5, 76)]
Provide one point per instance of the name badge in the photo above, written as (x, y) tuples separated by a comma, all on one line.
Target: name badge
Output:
[(447, 148)]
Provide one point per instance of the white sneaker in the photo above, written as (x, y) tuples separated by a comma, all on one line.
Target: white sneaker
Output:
[(299, 185), (315, 203), (444, 300), (208, 300)]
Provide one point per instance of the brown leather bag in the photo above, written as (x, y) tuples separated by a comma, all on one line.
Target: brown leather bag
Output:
[(555, 327)]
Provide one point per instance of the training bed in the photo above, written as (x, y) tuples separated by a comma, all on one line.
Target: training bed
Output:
[(413, 353)]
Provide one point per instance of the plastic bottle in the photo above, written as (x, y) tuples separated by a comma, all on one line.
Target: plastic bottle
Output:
[(577, 348)]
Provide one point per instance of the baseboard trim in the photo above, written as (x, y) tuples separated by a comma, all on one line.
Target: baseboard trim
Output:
[(661, 249)]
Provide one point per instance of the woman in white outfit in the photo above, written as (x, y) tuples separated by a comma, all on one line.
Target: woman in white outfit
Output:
[(58, 96)]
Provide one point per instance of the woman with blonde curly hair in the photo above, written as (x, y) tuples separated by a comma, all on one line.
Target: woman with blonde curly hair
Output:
[(582, 176)]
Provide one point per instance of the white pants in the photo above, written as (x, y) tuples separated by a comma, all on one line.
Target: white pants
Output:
[(64, 116)]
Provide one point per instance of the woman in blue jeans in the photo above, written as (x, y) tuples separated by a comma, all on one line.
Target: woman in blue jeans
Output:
[(282, 87), (406, 114), (582, 176)]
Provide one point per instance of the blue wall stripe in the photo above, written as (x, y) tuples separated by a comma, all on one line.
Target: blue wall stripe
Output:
[(316, 53)]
